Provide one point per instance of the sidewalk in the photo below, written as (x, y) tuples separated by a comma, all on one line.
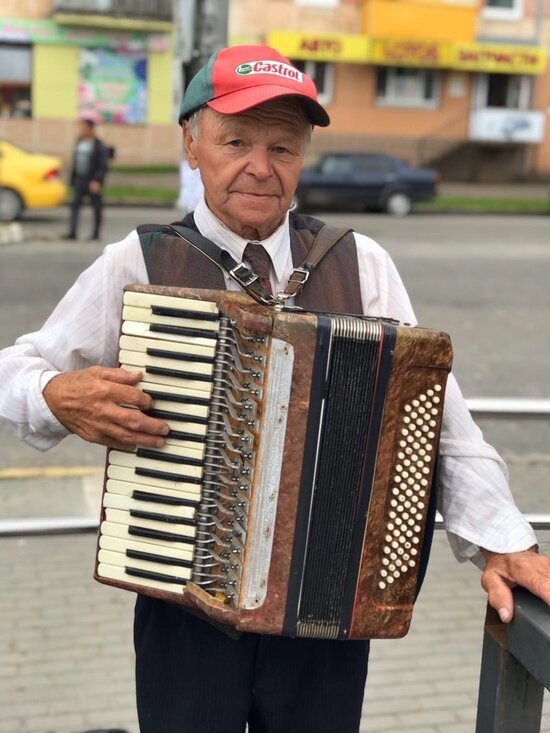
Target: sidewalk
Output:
[(66, 660)]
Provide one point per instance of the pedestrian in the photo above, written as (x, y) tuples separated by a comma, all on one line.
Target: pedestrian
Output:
[(247, 119), (89, 168)]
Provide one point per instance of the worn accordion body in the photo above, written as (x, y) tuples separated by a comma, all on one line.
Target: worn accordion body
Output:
[(293, 491)]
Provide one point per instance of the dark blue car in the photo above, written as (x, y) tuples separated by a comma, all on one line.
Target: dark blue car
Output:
[(363, 181)]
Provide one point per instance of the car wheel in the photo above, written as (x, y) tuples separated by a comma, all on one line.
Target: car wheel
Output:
[(398, 204), (11, 205)]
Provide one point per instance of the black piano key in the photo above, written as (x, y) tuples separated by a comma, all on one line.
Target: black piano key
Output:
[(168, 518), (151, 575), (177, 374), (181, 435), (162, 310), (156, 534), (163, 559), (168, 457), (183, 331), (182, 399), (165, 354), (153, 473), (162, 499), (181, 417)]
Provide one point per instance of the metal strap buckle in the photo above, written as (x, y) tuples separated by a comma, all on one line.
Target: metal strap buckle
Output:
[(299, 275), (243, 275), (298, 278)]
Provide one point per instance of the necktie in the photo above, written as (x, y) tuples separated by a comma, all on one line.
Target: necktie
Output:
[(260, 261)]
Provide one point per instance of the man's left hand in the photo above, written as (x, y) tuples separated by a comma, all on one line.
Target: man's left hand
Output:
[(504, 572), (94, 186)]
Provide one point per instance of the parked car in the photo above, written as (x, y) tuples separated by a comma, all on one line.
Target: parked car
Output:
[(28, 181), (365, 181)]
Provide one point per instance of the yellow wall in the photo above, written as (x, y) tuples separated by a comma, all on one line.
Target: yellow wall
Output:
[(418, 20), (159, 88), (55, 81)]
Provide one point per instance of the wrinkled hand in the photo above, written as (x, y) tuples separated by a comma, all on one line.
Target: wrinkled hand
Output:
[(504, 572), (93, 404)]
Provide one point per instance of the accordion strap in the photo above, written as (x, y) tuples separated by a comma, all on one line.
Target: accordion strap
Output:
[(248, 280)]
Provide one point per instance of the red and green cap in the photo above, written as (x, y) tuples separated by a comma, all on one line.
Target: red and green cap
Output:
[(240, 77)]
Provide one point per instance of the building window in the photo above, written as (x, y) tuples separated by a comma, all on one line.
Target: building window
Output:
[(318, 3), (322, 74), (503, 9), (505, 91), (15, 80), (398, 86)]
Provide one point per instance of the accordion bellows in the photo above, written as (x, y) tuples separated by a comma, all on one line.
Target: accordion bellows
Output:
[(293, 491)]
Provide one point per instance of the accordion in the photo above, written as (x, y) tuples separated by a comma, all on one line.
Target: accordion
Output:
[(293, 491)]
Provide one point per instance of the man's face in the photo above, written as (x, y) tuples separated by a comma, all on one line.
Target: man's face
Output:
[(250, 163)]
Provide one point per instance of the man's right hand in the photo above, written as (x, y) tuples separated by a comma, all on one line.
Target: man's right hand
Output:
[(97, 404)]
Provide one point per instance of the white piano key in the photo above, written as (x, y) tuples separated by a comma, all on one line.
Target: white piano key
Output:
[(125, 473), (132, 313), (203, 389), (122, 516), (137, 328), (176, 390), (128, 488), (196, 454), (141, 343), (116, 544), (141, 359), (142, 300), (121, 531), (116, 573), (179, 408), (131, 460), (187, 427), (119, 501)]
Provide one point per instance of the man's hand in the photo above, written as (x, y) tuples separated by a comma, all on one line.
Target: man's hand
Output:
[(94, 186), (504, 572), (96, 404)]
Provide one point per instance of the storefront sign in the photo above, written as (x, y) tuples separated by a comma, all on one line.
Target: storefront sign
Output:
[(408, 53), (21, 30), (496, 58), (481, 57), (320, 46)]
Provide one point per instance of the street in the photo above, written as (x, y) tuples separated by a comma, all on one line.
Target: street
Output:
[(65, 647)]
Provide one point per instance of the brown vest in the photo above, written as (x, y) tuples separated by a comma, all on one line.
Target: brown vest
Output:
[(333, 286)]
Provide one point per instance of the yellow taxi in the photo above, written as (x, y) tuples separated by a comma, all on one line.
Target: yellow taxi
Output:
[(28, 181)]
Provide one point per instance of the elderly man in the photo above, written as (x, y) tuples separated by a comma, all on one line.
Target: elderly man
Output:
[(247, 119)]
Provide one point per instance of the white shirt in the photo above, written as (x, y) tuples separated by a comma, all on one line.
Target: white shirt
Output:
[(475, 499)]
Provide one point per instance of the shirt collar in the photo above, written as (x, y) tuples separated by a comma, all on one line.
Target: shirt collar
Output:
[(277, 244)]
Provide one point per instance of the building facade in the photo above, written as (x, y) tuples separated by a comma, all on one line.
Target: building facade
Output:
[(61, 60), (461, 84)]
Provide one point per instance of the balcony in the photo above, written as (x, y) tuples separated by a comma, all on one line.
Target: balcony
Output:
[(500, 125), (146, 15)]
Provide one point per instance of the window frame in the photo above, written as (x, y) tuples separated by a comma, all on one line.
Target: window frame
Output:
[(394, 101), (308, 67), (495, 13)]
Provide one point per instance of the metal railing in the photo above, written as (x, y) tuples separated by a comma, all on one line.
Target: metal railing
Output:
[(515, 668)]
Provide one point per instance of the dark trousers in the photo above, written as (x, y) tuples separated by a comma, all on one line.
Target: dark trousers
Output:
[(80, 192), (194, 678)]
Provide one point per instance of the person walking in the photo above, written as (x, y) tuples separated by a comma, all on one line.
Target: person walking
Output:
[(90, 162)]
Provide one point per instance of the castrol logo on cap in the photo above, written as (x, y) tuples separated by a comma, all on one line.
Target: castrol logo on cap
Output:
[(269, 67)]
